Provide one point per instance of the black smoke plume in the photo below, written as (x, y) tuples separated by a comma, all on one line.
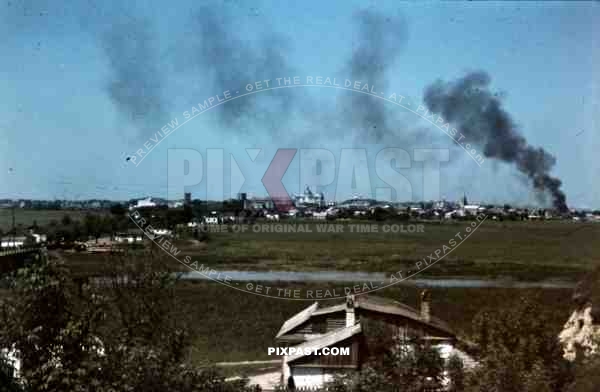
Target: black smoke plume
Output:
[(378, 44), (478, 115), (136, 83), (231, 62)]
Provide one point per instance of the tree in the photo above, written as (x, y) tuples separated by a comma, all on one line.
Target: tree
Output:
[(587, 375), (35, 226), (66, 220), (125, 333), (394, 363), (518, 351), (188, 213), (291, 385), (456, 374), (92, 225), (118, 210)]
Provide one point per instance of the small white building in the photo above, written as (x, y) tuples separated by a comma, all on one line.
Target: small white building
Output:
[(144, 203), (309, 199), (13, 241), (319, 215), (211, 220), (162, 232), (39, 238), (129, 238)]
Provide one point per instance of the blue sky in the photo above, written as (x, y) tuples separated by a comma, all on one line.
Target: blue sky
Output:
[(63, 135)]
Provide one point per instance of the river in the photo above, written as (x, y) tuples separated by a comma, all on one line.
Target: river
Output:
[(344, 276)]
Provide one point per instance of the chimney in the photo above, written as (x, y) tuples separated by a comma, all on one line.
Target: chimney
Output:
[(350, 317), (426, 305)]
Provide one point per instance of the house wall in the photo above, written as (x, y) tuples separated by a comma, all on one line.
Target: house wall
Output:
[(11, 243), (310, 377), (314, 377), (334, 361)]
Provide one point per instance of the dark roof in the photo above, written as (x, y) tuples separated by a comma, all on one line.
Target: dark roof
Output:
[(367, 302), (390, 306), (297, 319)]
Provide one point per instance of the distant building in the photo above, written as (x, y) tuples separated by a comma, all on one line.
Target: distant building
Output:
[(187, 199), (176, 204), (22, 240), (358, 204), (39, 238), (308, 199), (130, 237), (261, 204), (13, 241), (473, 209), (243, 200), (211, 220), (162, 232), (144, 203)]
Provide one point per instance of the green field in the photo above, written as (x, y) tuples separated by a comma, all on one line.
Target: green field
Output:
[(519, 250), (26, 217), (522, 250)]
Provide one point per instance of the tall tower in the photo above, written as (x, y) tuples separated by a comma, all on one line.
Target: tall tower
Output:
[(465, 202)]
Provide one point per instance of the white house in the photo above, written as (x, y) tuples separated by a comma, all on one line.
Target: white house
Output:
[(320, 215), (144, 203), (162, 232), (309, 199), (344, 326), (39, 238), (129, 238), (12, 241), (211, 220)]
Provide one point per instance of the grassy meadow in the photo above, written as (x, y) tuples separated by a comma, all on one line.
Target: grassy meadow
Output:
[(522, 250), (26, 217)]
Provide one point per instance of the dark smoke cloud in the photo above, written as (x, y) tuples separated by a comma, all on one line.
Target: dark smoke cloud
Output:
[(479, 116), (380, 40), (137, 82), (231, 63)]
